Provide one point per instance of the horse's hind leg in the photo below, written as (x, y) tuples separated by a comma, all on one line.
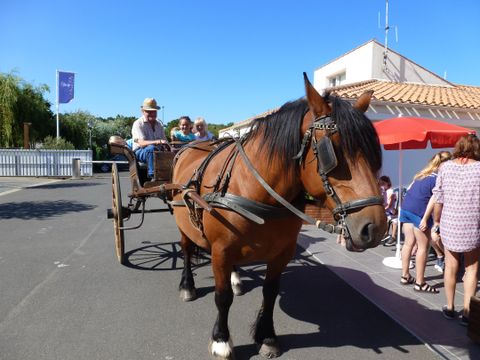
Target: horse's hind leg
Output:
[(263, 329), (187, 284)]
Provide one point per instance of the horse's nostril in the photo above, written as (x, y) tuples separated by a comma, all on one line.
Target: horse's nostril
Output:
[(365, 233), (368, 233)]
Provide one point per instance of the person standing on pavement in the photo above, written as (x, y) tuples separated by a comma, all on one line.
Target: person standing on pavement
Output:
[(415, 216), (389, 202), (148, 134), (457, 221)]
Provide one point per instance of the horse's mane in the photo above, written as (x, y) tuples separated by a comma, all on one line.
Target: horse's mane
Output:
[(357, 133), (280, 133)]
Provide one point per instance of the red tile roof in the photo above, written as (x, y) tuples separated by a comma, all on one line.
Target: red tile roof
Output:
[(456, 96)]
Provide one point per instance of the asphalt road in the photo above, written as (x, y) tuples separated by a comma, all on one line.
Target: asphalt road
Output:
[(65, 296)]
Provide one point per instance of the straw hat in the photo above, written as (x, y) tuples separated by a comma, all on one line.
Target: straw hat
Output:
[(150, 104)]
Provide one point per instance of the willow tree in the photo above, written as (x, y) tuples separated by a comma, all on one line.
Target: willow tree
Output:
[(23, 102), (9, 92)]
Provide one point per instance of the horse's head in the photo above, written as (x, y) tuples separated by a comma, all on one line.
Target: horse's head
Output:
[(341, 158)]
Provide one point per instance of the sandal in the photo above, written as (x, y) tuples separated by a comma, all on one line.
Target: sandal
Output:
[(425, 288), (407, 280)]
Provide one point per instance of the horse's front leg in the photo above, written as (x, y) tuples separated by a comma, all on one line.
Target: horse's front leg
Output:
[(221, 345), (263, 329), (187, 284), (236, 282)]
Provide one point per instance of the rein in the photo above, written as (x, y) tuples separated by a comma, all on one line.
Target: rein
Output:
[(322, 225)]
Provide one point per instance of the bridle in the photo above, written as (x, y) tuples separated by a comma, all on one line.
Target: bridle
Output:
[(327, 161)]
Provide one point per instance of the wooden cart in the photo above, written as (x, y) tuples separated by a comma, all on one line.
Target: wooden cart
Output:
[(141, 190)]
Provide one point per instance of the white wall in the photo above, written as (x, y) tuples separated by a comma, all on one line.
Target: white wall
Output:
[(357, 65), (400, 69), (366, 63)]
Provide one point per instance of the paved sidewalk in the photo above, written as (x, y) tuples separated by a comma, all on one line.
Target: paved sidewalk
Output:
[(419, 313)]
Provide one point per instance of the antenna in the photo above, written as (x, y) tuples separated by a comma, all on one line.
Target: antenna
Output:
[(385, 51)]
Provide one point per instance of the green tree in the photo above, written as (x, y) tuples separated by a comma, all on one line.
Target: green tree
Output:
[(169, 127), (215, 128), (74, 128), (54, 143), (22, 102), (104, 128), (33, 108), (9, 89)]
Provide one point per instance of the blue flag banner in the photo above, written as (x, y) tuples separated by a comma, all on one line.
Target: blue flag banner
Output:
[(65, 86)]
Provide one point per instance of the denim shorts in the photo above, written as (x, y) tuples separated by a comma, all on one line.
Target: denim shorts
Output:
[(409, 217)]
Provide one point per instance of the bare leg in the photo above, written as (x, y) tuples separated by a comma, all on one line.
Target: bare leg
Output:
[(439, 252), (471, 278), (438, 247), (407, 249), (421, 256), (394, 228), (450, 276)]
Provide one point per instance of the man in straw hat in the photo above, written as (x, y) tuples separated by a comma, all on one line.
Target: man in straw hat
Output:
[(148, 134)]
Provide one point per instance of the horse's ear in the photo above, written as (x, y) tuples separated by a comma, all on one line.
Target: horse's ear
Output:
[(316, 103), (363, 102)]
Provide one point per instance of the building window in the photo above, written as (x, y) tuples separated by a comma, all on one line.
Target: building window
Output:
[(337, 80)]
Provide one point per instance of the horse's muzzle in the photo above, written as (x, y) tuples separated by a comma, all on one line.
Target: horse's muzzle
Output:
[(364, 236)]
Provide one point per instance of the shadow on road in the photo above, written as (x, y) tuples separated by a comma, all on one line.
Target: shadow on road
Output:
[(343, 316), (162, 257), (41, 210), (66, 185)]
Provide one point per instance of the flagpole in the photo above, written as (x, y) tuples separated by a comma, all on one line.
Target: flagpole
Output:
[(58, 121)]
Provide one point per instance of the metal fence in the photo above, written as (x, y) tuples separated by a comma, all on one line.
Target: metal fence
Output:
[(19, 162)]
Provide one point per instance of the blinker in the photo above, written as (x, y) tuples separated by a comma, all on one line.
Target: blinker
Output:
[(327, 160)]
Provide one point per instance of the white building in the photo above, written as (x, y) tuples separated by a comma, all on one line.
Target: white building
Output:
[(401, 88)]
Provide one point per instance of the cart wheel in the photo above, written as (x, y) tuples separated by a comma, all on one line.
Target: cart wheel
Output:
[(117, 216)]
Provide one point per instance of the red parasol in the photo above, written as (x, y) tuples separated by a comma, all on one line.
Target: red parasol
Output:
[(414, 133), (403, 133)]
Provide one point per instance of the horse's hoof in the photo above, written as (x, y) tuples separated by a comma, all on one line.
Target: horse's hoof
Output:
[(221, 350), (188, 295), (270, 350), (237, 290)]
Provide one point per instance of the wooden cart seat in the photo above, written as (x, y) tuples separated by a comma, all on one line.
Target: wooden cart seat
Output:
[(162, 163)]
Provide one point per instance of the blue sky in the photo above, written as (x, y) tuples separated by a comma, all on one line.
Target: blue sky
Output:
[(223, 60)]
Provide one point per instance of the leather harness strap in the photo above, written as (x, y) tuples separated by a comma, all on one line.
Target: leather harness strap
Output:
[(269, 189)]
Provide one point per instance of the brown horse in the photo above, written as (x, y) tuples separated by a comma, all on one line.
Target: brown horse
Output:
[(246, 181)]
